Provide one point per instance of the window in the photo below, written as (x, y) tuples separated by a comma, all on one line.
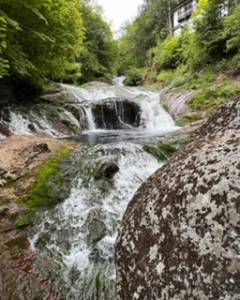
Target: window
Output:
[(185, 11)]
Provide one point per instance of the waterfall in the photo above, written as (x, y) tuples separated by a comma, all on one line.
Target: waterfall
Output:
[(90, 119), (152, 114), (119, 80), (100, 107), (74, 241)]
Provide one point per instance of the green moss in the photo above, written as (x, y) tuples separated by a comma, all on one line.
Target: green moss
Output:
[(24, 220), (45, 190), (189, 119), (162, 151)]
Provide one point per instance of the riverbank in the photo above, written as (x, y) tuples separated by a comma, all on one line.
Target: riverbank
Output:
[(21, 159), (60, 212), (191, 96)]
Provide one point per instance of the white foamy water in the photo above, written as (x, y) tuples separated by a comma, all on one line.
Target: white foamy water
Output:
[(119, 80), (75, 240), (49, 120), (20, 124), (2, 137), (153, 115), (92, 206)]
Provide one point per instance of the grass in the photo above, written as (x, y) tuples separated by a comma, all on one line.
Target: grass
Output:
[(212, 96), (44, 191), (213, 85)]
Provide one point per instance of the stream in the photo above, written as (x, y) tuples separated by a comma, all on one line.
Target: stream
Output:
[(74, 241)]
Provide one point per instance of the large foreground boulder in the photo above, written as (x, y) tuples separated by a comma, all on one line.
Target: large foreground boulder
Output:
[(180, 236)]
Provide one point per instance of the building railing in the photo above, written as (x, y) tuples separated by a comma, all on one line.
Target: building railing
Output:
[(185, 14)]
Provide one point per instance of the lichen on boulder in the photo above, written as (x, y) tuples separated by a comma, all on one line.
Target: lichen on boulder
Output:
[(180, 236)]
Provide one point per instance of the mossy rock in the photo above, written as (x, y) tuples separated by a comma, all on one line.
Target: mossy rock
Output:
[(24, 220), (189, 119), (161, 151), (45, 191), (164, 149)]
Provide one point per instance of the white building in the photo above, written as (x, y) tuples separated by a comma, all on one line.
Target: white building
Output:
[(182, 15), (185, 8)]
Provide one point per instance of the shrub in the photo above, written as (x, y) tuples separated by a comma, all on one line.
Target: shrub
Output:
[(211, 97), (174, 78), (231, 30), (201, 79), (194, 54), (167, 54), (135, 76)]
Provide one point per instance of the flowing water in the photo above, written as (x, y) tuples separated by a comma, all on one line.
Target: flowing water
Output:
[(74, 241)]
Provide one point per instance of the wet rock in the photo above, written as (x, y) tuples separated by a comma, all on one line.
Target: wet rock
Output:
[(6, 176), (61, 97), (96, 227), (179, 238), (41, 148), (32, 127), (4, 210), (116, 114), (4, 130), (107, 170)]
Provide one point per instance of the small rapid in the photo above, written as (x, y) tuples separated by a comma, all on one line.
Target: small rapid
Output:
[(77, 237), (151, 115), (74, 241), (93, 107)]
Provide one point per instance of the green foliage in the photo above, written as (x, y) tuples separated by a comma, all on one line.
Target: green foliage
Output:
[(135, 76), (211, 97), (150, 26), (42, 193), (54, 39), (24, 220), (174, 78), (193, 52), (100, 50), (189, 119), (235, 62), (3, 62), (208, 25), (167, 54), (231, 30), (42, 38), (201, 79)]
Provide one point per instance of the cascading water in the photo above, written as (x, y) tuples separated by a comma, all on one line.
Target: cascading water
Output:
[(44, 119), (152, 116), (74, 241), (78, 235), (100, 107), (119, 80)]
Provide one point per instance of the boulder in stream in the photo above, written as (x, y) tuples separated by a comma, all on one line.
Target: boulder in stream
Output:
[(106, 170), (116, 114), (180, 236)]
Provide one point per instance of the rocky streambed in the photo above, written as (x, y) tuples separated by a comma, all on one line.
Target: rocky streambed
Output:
[(62, 199), (70, 165)]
